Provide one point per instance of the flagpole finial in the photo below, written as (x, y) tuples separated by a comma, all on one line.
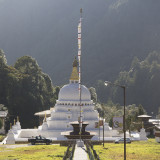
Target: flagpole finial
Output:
[(81, 10)]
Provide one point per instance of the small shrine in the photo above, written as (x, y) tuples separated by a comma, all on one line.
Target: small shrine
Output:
[(75, 134)]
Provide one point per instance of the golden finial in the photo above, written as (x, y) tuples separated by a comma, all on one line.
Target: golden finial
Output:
[(10, 125), (74, 74), (81, 10), (75, 63), (14, 121)]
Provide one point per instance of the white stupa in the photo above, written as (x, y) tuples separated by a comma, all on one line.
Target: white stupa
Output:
[(67, 109)]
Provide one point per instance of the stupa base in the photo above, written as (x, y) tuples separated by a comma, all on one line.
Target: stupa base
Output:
[(80, 143)]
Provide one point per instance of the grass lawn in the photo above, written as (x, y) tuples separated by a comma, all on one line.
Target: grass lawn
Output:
[(143, 150), (36, 152)]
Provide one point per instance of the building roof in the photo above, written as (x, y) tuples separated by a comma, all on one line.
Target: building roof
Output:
[(3, 114), (42, 113), (154, 121), (158, 127), (144, 116)]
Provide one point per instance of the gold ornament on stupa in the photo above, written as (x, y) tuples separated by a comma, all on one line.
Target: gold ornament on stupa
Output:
[(74, 74)]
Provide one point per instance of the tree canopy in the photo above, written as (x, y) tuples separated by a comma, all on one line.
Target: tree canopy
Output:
[(25, 89), (142, 82)]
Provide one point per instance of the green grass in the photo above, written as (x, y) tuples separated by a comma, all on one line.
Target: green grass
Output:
[(142, 150), (37, 152)]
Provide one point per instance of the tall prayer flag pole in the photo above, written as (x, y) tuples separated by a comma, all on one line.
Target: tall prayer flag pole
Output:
[(79, 59)]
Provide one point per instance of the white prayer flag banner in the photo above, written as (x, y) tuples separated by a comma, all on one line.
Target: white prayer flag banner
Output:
[(79, 53), (79, 46), (79, 36), (118, 123), (79, 59), (79, 41), (79, 28)]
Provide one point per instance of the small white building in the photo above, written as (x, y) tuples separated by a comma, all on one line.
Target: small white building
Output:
[(42, 114)]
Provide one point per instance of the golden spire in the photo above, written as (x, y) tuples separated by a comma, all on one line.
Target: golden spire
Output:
[(10, 125), (14, 122), (74, 74)]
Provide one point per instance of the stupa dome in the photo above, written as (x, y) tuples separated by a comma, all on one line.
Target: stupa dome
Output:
[(70, 92)]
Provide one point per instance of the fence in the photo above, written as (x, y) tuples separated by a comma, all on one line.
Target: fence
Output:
[(70, 152), (91, 152)]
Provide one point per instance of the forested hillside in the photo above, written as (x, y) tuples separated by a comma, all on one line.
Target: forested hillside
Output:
[(113, 33), (142, 81), (142, 84), (25, 89)]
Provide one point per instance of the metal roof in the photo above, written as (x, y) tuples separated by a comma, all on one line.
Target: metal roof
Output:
[(158, 126), (144, 116), (42, 113), (3, 114)]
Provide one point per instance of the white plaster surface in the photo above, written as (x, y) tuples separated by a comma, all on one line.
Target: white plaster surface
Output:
[(10, 137), (142, 134)]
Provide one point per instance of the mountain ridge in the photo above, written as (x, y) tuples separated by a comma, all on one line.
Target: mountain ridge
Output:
[(113, 32)]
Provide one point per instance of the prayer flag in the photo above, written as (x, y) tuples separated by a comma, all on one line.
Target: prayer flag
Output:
[(118, 123)]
